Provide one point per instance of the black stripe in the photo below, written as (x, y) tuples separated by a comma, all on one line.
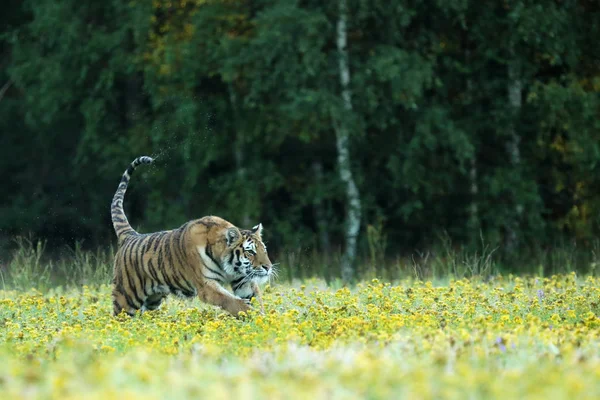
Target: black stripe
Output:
[(126, 232), (208, 224), (146, 294), (178, 275), (121, 226), (152, 272), (175, 271), (133, 291), (181, 239), (238, 285), (214, 279), (208, 252), (161, 236), (124, 248), (122, 229), (238, 280), (215, 272), (180, 258), (153, 237), (137, 263), (130, 301), (118, 281), (174, 243), (146, 239), (167, 254), (132, 265), (148, 243), (130, 248), (163, 271)]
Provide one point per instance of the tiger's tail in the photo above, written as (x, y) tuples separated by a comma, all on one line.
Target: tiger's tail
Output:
[(117, 212)]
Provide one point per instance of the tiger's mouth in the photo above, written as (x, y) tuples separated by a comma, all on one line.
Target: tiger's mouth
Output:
[(261, 274), (260, 271), (261, 278)]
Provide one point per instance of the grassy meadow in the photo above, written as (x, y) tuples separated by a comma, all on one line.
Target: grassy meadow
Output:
[(501, 336)]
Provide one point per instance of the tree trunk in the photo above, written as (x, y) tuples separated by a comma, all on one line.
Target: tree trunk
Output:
[(353, 206), (238, 152), (515, 89)]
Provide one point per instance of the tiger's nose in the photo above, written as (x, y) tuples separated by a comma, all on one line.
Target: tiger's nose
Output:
[(267, 268)]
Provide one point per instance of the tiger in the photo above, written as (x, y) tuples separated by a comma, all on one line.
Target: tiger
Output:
[(198, 259)]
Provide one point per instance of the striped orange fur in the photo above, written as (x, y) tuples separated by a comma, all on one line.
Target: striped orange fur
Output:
[(197, 259)]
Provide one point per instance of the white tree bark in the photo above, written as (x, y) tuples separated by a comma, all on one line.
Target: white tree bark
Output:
[(515, 91), (353, 206), (238, 152)]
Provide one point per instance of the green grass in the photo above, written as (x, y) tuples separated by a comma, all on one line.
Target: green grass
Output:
[(443, 324), (30, 264)]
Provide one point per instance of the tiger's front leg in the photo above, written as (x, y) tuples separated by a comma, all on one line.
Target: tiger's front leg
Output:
[(258, 294), (249, 290), (213, 293)]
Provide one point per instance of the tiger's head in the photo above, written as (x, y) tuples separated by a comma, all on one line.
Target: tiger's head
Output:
[(249, 256)]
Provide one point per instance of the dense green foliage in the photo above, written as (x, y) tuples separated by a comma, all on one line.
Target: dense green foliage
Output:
[(238, 100)]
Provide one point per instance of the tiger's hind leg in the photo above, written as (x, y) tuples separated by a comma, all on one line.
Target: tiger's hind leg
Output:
[(153, 302), (120, 303), (157, 294)]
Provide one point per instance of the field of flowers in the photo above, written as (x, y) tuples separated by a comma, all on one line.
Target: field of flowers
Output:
[(507, 338)]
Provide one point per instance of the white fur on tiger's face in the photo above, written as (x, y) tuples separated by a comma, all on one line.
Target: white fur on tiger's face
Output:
[(249, 262)]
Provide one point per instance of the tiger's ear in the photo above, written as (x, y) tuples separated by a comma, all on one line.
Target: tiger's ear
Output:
[(232, 235), (257, 229)]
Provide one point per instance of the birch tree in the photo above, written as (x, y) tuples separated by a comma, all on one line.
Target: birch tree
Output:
[(238, 150), (353, 204)]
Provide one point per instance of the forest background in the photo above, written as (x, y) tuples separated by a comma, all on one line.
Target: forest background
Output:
[(383, 130)]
